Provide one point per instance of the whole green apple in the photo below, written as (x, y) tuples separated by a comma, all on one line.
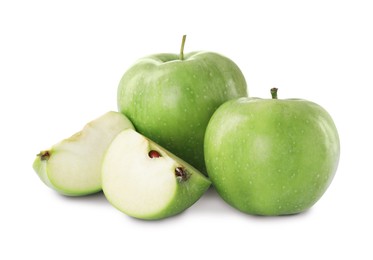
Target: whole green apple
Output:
[(271, 156), (170, 98)]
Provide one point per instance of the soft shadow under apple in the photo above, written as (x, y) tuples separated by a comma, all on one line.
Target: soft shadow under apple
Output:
[(96, 198), (212, 203)]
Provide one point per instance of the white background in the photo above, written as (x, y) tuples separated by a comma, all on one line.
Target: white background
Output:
[(60, 64)]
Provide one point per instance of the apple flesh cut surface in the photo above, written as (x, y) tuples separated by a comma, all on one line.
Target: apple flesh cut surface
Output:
[(73, 166), (170, 98), (271, 156), (143, 180)]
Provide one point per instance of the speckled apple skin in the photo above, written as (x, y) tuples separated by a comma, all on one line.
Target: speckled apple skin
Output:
[(171, 101), (270, 156)]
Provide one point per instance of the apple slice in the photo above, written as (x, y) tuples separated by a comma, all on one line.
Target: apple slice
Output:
[(143, 180), (73, 166)]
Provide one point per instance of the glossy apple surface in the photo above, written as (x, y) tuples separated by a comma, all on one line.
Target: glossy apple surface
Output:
[(271, 156), (170, 100)]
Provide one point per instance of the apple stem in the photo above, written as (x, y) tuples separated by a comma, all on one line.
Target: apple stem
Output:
[(182, 47), (274, 93)]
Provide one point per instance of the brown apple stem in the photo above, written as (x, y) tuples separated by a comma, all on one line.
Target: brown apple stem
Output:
[(182, 47), (274, 93)]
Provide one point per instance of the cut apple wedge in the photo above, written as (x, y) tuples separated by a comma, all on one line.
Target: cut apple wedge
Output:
[(73, 166), (143, 180)]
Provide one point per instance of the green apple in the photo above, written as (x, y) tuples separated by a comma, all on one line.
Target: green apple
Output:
[(73, 166), (143, 180), (170, 98), (271, 156)]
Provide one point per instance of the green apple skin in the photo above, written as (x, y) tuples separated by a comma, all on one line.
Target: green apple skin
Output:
[(147, 188), (270, 156), (171, 100), (72, 167)]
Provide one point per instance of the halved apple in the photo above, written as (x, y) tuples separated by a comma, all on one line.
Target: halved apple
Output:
[(73, 166), (143, 180)]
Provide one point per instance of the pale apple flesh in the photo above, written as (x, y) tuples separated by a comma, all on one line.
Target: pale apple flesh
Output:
[(143, 180), (73, 166)]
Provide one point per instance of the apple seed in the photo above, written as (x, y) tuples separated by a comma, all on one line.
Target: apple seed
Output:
[(181, 174), (44, 155), (154, 154)]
